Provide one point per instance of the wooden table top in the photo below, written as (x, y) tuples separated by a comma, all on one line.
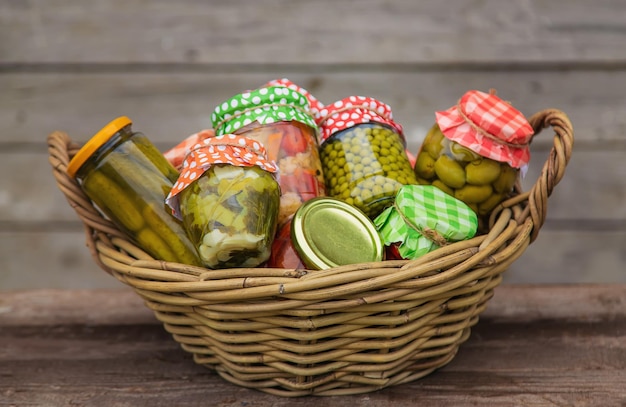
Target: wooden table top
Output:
[(551, 345)]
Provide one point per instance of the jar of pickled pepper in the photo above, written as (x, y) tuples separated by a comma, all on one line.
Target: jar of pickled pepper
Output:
[(363, 154), (128, 178), (476, 150), (228, 200), (279, 118)]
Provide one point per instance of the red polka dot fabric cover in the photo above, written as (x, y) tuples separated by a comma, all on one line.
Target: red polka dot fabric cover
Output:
[(225, 149), (314, 105), (353, 110), (488, 126)]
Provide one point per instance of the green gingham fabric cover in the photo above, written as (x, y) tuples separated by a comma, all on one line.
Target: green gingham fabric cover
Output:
[(424, 206), (265, 105)]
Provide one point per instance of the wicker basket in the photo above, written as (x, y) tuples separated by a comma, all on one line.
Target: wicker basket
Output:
[(346, 330)]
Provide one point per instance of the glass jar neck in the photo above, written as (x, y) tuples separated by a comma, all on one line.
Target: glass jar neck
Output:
[(101, 152)]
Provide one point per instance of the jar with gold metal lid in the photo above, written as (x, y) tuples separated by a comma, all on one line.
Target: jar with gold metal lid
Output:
[(327, 232)]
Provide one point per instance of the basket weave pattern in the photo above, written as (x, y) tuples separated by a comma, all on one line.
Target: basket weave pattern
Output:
[(347, 330)]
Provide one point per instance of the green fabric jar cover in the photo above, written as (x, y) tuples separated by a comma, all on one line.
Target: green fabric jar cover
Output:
[(265, 105), (424, 218)]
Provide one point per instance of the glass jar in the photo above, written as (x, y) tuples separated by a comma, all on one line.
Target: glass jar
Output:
[(475, 151), (128, 178), (422, 219), (279, 118), (363, 154), (327, 232), (284, 254), (228, 200)]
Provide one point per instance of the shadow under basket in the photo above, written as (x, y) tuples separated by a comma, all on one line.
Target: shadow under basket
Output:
[(346, 330)]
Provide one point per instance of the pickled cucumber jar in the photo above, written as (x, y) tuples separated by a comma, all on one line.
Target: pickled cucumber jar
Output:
[(128, 178), (363, 154), (475, 151), (280, 119), (228, 198)]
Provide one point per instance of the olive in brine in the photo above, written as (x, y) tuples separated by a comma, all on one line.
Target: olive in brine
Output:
[(450, 172), (425, 166), (506, 179), (473, 193), (482, 171), (433, 142)]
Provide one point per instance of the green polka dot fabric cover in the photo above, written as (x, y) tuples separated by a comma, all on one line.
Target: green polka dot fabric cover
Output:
[(265, 105), (420, 209)]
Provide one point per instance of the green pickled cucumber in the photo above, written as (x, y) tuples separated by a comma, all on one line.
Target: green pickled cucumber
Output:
[(139, 146), (113, 199), (439, 184), (136, 173), (155, 246), (425, 166), (506, 180), (450, 172), (171, 232), (433, 142), (142, 179), (481, 172), (473, 193)]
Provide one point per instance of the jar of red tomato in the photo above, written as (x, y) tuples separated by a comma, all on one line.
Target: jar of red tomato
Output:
[(280, 119)]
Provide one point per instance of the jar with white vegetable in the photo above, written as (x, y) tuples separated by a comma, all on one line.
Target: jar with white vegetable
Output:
[(228, 200)]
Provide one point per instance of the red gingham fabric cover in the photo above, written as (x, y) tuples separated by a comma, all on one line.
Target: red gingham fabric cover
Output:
[(493, 116)]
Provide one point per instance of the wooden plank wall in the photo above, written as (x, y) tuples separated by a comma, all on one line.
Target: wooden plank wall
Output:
[(71, 66)]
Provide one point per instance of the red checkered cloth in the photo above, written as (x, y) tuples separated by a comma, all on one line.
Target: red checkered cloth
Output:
[(488, 126)]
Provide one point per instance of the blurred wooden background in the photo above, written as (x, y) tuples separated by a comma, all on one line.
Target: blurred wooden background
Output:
[(73, 66)]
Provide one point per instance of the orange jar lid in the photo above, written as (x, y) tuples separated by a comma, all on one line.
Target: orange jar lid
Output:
[(96, 142)]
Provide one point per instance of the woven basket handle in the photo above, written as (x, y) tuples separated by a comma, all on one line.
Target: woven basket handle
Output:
[(554, 167)]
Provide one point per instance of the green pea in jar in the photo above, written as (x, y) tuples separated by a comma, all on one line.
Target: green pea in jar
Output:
[(363, 154), (128, 178)]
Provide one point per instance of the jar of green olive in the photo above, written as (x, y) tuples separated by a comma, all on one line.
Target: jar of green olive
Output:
[(475, 151), (363, 154), (227, 198), (123, 173), (279, 118)]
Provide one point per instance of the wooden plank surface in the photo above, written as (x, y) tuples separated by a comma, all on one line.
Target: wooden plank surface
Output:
[(169, 106), (534, 346), (320, 32)]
